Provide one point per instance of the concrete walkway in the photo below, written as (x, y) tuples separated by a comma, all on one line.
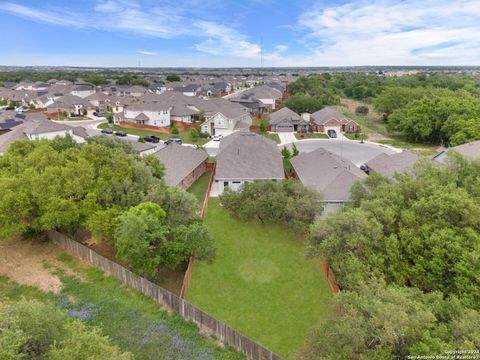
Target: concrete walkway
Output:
[(287, 137)]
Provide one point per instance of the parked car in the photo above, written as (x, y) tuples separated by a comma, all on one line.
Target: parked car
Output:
[(173, 140), (332, 133), (120, 133), (107, 131), (217, 137), (151, 138), (97, 114)]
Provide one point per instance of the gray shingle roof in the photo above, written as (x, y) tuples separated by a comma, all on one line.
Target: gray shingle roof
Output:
[(320, 117), (469, 150), (244, 155), (285, 114), (388, 165), (327, 173), (179, 161)]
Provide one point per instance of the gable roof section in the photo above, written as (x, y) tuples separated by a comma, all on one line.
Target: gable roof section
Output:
[(248, 156), (179, 161), (322, 116), (388, 165), (470, 151), (284, 114), (327, 173)]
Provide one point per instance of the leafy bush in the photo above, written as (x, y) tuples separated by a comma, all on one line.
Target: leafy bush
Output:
[(174, 129), (34, 330), (286, 202), (362, 109)]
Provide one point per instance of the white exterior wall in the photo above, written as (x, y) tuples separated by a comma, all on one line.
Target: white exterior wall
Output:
[(148, 152), (49, 135), (185, 119), (157, 118), (270, 102), (234, 185), (83, 93)]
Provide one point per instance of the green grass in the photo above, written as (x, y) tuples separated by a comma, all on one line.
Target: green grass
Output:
[(134, 322), (260, 283), (422, 149), (199, 187), (272, 136), (185, 136), (301, 136)]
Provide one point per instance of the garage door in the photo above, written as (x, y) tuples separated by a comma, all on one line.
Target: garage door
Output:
[(284, 128)]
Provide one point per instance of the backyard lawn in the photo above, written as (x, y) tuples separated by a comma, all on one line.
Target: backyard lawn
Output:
[(199, 187), (260, 282), (185, 136)]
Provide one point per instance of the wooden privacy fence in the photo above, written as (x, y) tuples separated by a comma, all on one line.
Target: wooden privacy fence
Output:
[(330, 278), (166, 298), (203, 210)]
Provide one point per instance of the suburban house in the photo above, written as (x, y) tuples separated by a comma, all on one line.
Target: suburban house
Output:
[(100, 101), (218, 89), (246, 157), (259, 99), (37, 129), (470, 151), (286, 120), (327, 173), (388, 165), (73, 105), (224, 118), (183, 164), (153, 114), (188, 89), (329, 119), (83, 90), (136, 91)]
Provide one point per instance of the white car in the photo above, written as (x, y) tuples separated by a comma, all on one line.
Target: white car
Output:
[(217, 137)]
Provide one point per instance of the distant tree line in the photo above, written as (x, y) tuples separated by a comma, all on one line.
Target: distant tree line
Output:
[(437, 108)]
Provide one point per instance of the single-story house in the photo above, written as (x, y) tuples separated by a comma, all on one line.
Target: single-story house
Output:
[(183, 164), (286, 120), (388, 165), (327, 173), (259, 99), (245, 157), (329, 119), (37, 129), (470, 151)]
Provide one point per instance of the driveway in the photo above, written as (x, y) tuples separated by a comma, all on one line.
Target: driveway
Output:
[(354, 151), (211, 147), (286, 137)]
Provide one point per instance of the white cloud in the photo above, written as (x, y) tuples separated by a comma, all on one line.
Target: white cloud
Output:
[(60, 18), (143, 52), (166, 21), (392, 32), (224, 40)]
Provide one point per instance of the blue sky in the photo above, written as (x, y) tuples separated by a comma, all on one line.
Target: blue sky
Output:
[(223, 33)]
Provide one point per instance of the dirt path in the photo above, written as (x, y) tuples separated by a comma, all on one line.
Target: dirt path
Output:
[(23, 262)]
